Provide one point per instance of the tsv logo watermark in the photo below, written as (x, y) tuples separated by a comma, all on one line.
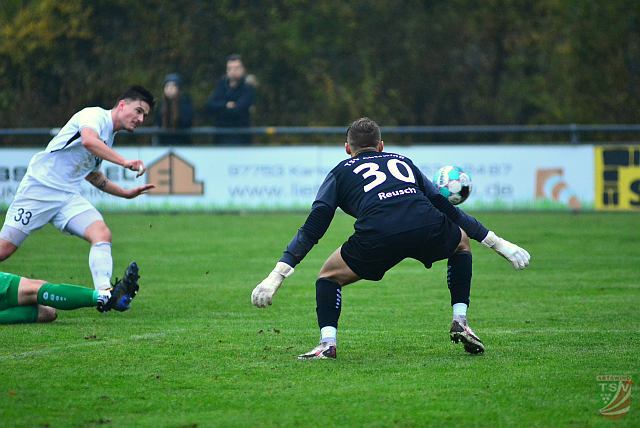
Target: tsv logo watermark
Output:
[(615, 395)]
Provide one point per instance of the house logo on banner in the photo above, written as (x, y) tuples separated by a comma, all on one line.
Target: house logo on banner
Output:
[(618, 178), (173, 175)]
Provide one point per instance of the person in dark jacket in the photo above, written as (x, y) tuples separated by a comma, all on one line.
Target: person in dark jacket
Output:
[(175, 112), (231, 101)]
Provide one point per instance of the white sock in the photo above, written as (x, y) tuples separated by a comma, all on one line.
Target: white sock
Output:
[(102, 295), (459, 310), (328, 334), (101, 265)]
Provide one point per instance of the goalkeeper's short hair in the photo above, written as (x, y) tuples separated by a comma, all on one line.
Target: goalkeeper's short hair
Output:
[(362, 133)]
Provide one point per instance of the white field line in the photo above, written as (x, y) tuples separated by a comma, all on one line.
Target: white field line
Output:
[(487, 330), (149, 336), (87, 344), (555, 331)]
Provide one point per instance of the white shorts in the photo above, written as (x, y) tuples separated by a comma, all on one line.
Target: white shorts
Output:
[(36, 205)]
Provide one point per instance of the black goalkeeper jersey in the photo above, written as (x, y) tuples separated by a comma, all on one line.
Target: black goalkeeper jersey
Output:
[(386, 193)]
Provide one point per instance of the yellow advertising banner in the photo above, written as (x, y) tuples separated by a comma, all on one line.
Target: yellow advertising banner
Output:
[(617, 178)]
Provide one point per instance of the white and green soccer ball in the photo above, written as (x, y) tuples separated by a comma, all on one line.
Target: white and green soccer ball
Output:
[(453, 183)]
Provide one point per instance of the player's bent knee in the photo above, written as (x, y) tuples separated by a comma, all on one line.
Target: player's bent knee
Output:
[(46, 314), (28, 291), (342, 276), (4, 255), (6, 249), (464, 244), (337, 270), (328, 275), (98, 232)]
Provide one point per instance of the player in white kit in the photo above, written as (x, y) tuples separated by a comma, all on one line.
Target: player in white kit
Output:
[(50, 190)]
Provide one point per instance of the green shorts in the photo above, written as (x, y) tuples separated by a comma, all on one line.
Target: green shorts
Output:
[(7, 280), (17, 314)]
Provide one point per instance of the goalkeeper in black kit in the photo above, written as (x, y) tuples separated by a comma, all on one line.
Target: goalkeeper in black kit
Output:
[(399, 214)]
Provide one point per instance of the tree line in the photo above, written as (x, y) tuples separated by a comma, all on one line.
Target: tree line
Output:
[(438, 62)]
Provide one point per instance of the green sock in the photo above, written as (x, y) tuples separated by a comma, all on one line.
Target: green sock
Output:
[(19, 315), (66, 296)]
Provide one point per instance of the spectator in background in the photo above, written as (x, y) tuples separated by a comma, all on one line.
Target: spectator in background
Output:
[(175, 111), (231, 101)]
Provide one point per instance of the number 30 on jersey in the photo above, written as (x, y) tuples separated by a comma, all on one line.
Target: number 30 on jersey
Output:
[(373, 170)]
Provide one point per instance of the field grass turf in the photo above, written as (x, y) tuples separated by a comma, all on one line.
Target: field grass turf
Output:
[(194, 352)]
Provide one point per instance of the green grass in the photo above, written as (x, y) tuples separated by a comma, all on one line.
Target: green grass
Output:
[(194, 352)]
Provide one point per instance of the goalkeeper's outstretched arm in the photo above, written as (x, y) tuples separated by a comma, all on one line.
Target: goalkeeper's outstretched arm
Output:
[(313, 229), (308, 235), (519, 257)]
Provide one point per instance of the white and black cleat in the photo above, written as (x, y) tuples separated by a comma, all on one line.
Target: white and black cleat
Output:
[(461, 332), (324, 351)]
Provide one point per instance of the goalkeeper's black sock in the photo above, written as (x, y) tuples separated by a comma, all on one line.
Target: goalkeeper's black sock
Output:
[(459, 277), (328, 306)]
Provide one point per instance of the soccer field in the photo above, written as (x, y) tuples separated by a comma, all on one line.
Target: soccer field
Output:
[(192, 351)]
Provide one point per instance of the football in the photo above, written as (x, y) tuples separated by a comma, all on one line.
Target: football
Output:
[(453, 183)]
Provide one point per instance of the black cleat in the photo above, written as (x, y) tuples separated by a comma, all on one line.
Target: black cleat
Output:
[(461, 332), (123, 291)]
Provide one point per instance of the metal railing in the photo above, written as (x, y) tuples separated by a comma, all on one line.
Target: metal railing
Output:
[(573, 133)]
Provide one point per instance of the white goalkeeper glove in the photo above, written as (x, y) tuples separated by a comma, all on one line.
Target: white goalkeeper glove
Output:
[(263, 293), (519, 257)]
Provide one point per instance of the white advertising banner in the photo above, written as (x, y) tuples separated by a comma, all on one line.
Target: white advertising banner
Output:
[(273, 178), (524, 177)]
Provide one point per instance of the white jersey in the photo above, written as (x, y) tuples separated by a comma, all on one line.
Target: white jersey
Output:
[(66, 162)]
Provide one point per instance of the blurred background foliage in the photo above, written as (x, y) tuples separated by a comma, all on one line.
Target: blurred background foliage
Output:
[(326, 63)]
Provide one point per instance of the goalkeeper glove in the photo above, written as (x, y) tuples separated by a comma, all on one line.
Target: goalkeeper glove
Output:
[(519, 257), (263, 293)]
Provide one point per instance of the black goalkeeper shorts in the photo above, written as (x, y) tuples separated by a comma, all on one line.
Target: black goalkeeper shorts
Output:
[(371, 257)]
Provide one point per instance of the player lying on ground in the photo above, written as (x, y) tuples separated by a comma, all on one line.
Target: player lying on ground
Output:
[(399, 214), (50, 190), (24, 300)]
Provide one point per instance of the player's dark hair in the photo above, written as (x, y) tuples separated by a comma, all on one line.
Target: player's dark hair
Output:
[(234, 57), (362, 133), (137, 93)]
